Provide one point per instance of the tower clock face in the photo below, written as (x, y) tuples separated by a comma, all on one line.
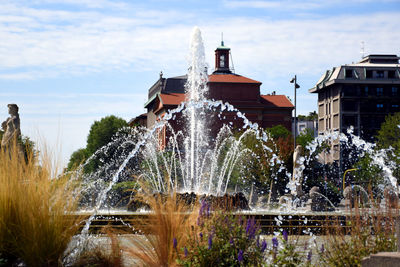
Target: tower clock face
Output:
[(222, 61)]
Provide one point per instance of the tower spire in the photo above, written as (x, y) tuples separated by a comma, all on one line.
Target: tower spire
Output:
[(222, 39)]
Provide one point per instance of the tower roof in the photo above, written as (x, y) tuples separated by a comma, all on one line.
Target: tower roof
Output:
[(223, 47)]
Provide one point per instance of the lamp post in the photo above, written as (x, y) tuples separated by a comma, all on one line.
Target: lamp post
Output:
[(344, 176), (296, 86)]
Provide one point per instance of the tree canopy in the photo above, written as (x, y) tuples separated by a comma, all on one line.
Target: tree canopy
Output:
[(102, 131), (100, 134), (278, 131), (389, 134), (312, 116)]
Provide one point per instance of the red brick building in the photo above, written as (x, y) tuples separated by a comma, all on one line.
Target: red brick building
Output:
[(242, 92)]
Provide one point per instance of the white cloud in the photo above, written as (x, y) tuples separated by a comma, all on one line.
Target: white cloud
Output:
[(39, 45), (302, 5), (294, 5)]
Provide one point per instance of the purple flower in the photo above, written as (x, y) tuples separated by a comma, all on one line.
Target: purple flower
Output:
[(263, 245), (231, 241), (185, 251), (285, 235), (201, 235), (204, 209), (322, 248), (275, 242), (309, 255), (251, 228), (209, 242), (240, 256), (174, 242)]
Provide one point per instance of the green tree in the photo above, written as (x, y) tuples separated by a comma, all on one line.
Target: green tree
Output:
[(389, 136), (77, 158), (100, 134), (368, 174), (305, 138), (102, 131), (278, 131), (312, 116)]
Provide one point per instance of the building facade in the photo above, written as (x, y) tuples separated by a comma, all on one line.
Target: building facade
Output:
[(358, 95), (241, 92), (305, 125)]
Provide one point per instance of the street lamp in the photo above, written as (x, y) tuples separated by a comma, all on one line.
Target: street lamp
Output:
[(296, 86), (344, 176)]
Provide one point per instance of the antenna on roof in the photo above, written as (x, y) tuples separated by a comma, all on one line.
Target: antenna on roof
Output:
[(362, 49)]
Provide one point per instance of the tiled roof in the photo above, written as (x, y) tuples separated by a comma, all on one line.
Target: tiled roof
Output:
[(230, 78), (172, 99), (280, 101)]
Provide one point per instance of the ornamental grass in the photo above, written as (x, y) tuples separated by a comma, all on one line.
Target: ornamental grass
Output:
[(365, 231), (35, 201), (166, 227)]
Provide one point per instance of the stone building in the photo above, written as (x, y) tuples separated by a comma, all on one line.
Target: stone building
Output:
[(358, 95), (242, 92)]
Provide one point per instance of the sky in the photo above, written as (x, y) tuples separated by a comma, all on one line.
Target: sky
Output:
[(67, 63)]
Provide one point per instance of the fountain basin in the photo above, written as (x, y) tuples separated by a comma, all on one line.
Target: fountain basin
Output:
[(295, 223)]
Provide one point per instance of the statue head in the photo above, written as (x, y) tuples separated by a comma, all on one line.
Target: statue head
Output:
[(4, 125), (12, 109)]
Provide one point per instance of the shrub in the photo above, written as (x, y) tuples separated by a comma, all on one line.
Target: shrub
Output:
[(222, 239)]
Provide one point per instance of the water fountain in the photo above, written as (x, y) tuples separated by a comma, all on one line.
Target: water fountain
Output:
[(193, 161)]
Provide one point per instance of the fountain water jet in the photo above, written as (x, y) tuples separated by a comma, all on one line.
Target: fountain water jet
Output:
[(192, 161)]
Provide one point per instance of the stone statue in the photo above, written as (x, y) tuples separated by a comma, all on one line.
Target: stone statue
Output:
[(297, 177), (11, 126)]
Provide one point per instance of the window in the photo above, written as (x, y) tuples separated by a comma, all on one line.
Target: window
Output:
[(368, 74), (380, 74), (394, 91), (348, 73), (391, 74), (366, 90), (349, 106), (379, 107), (222, 61), (379, 91)]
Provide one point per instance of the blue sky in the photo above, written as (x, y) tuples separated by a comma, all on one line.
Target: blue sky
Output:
[(67, 63)]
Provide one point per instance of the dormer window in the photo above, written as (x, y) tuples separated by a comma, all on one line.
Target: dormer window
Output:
[(222, 61)]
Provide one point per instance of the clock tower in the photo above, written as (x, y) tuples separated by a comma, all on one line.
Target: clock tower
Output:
[(222, 59)]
